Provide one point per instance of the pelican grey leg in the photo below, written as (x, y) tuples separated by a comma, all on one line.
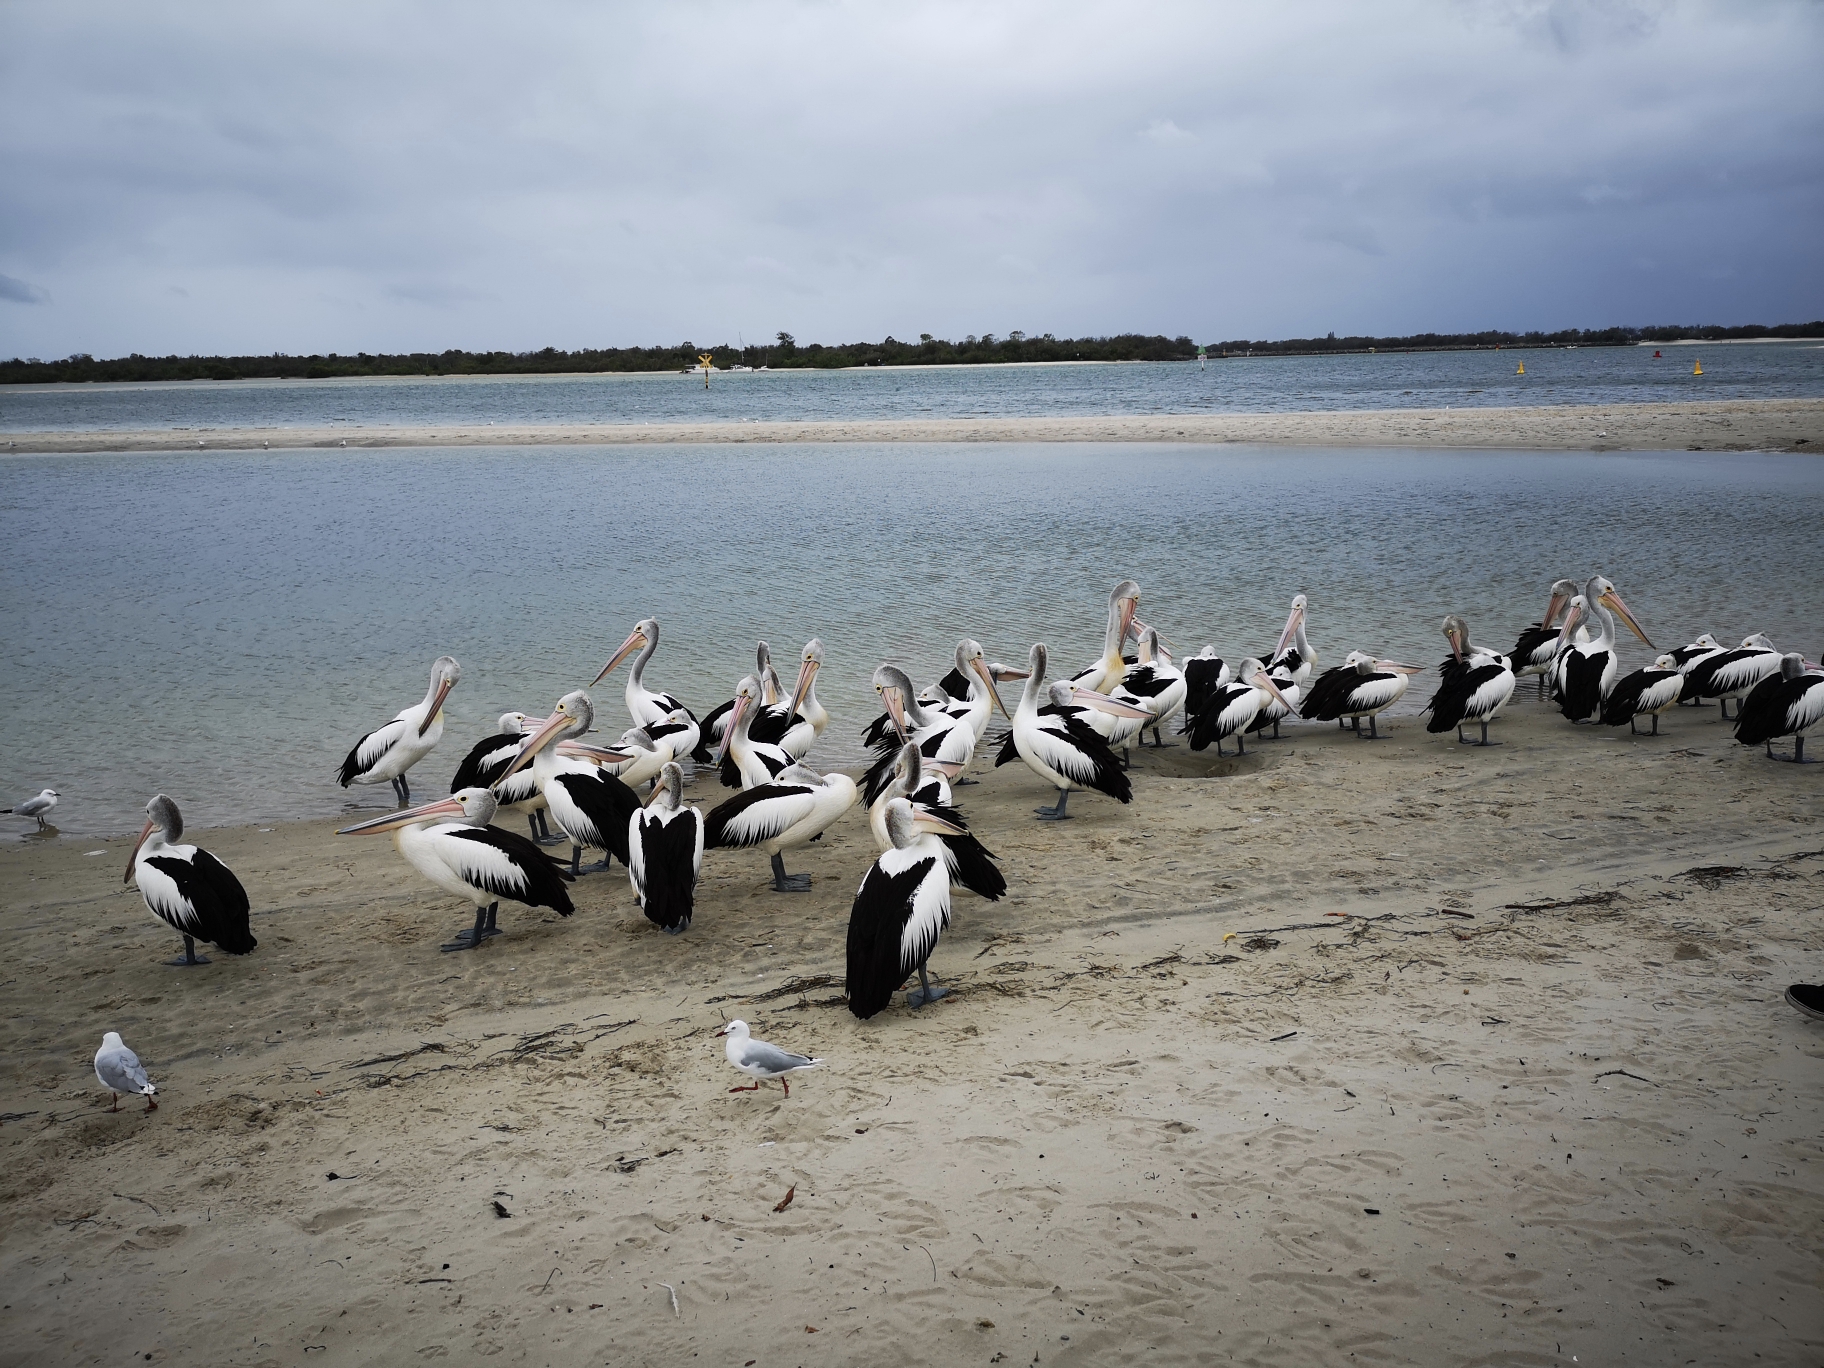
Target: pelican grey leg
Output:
[(532, 822), (1276, 729), (924, 993), (1655, 731), (1632, 729), (544, 827), (191, 959), (576, 862), (1127, 758), (788, 883), (1723, 704), (1356, 720), (961, 781), (1056, 814), (472, 939), (1240, 749)]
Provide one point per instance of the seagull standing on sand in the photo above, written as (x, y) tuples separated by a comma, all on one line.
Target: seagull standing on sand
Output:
[(761, 1061), (187, 888), (120, 1071), (38, 807), (389, 751)]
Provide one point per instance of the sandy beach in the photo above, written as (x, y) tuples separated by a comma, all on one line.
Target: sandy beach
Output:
[(1729, 425), (1219, 1080)]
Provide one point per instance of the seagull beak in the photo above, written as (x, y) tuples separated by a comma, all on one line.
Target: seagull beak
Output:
[(424, 812), (806, 673), (536, 742), (135, 855), (1089, 698), (636, 641), (980, 666), (719, 1034), (443, 692), (1611, 599)]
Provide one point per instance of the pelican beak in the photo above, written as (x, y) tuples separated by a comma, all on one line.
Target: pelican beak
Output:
[(536, 742), (424, 812), (937, 826), (948, 768), (1456, 644), (636, 641), (896, 709), (1263, 681), (806, 673), (1089, 698), (1128, 608), (648, 800), (980, 666), (1558, 604), (1571, 619), (1006, 673), (728, 733), (1611, 599), (443, 692), (1296, 616), (1398, 668), (600, 755), (135, 855)]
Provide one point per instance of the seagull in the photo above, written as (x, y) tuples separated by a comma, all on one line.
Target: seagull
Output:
[(37, 807), (120, 1071), (761, 1061)]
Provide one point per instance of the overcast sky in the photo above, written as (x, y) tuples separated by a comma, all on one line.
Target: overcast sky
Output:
[(394, 177)]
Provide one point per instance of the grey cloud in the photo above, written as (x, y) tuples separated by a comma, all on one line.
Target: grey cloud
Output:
[(20, 292), (628, 175)]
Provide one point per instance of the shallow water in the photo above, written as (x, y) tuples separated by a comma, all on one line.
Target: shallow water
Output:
[(1258, 384), (222, 626)]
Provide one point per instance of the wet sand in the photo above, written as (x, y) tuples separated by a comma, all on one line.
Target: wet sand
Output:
[(1728, 425), (1126, 1135)]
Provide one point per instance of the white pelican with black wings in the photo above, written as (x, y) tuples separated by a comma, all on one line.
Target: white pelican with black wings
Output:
[(971, 864), (1360, 687), (1585, 671), (451, 844), (488, 760), (589, 805), (791, 811), (1477, 684), (1644, 693), (1787, 703), (665, 853), (1292, 653), (900, 910), (386, 753), (1732, 674), (187, 888), (1058, 747)]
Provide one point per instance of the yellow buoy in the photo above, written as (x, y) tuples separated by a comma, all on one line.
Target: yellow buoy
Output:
[(1698, 369), (1522, 370)]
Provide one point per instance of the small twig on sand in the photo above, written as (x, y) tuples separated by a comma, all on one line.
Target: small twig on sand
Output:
[(429, 1047), (547, 1287), (142, 1201), (928, 1255), (674, 1298), (1609, 1073)]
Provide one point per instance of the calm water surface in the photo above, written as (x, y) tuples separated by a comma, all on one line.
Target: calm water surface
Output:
[(223, 625), (1253, 385)]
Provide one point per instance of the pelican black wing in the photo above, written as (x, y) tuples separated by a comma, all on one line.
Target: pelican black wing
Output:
[(220, 902)]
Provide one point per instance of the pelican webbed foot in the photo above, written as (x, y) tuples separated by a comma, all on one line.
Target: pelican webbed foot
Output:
[(1057, 813), (926, 992), (789, 883), (189, 959)]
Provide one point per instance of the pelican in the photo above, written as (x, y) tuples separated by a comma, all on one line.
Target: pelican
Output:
[(388, 752), (487, 761), (938, 735), (793, 810), (38, 807), (1477, 684), (900, 910), (754, 762), (1731, 674), (1537, 647), (589, 805), (665, 852), (959, 693), (1585, 670), (1232, 708), (1360, 687), (1789, 703), (187, 888), (450, 842), (1647, 692), (1292, 652), (1058, 747), (1688, 658), (644, 705), (808, 717), (1123, 601), (715, 725), (970, 864), (1153, 683), (1283, 704), (1204, 673)]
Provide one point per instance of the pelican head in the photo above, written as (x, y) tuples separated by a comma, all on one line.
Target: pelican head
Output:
[(474, 806), (895, 689), (517, 723), (1254, 673), (1579, 610), (444, 674), (1758, 642), (161, 816), (1665, 662), (1123, 603), (905, 824), (645, 633), (747, 697), (573, 715), (668, 793), (1562, 592), (1599, 590), (636, 738), (810, 660), (1456, 632), (970, 658), (908, 769), (1294, 620)]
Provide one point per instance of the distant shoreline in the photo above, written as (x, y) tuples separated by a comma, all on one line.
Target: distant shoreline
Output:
[(1795, 425)]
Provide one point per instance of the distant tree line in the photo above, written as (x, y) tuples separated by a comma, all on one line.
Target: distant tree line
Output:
[(785, 353)]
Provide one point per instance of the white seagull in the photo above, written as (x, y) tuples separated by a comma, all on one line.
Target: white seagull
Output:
[(38, 807), (761, 1061), (389, 751), (120, 1071)]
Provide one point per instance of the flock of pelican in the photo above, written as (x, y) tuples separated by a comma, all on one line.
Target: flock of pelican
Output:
[(627, 800)]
